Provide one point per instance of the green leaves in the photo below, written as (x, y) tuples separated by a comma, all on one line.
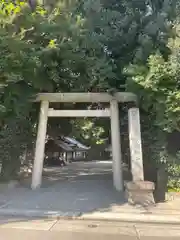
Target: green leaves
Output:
[(52, 50), (2, 109), (154, 76)]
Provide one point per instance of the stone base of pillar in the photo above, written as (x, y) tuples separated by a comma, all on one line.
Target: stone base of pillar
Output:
[(140, 193)]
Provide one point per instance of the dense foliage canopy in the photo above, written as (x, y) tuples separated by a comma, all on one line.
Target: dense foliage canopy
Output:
[(88, 45)]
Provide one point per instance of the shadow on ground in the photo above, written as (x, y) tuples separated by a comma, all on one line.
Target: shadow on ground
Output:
[(81, 187)]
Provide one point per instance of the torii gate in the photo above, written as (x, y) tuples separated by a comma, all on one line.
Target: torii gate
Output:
[(112, 113)]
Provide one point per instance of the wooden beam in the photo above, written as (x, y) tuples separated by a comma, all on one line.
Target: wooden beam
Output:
[(86, 97), (78, 113)]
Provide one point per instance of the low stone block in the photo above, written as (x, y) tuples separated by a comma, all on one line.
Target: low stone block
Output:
[(9, 185), (140, 193), (13, 184)]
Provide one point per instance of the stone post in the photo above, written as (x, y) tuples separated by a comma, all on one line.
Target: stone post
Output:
[(40, 146), (135, 145), (116, 146), (138, 191)]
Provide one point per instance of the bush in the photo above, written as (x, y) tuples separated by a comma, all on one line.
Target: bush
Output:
[(174, 177)]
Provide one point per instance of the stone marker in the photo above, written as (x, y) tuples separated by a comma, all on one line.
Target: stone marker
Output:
[(135, 144), (138, 191)]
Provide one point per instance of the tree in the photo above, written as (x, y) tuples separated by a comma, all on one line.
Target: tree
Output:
[(129, 30), (156, 82), (43, 49)]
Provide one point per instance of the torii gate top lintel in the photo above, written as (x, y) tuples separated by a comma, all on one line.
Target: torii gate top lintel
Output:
[(86, 97)]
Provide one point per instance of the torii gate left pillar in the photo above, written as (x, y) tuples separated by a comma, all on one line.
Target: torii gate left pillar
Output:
[(40, 145)]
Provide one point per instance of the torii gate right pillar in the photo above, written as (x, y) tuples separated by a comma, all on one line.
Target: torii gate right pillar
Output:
[(116, 146)]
